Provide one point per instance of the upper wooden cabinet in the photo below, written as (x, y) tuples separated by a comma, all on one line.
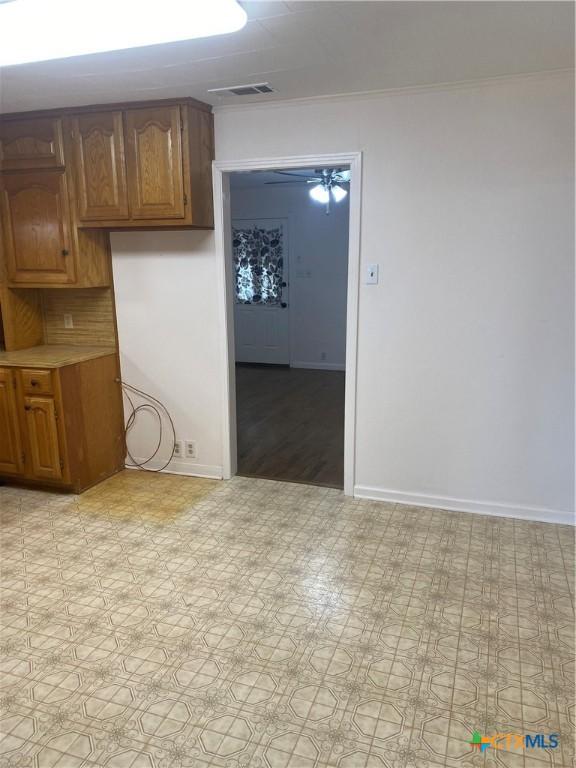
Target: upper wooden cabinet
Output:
[(145, 166), (101, 190), (67, 176), (155, 171), (36, 223), (32, 143), (41, 243)]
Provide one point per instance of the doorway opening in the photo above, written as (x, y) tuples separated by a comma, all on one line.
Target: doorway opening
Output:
[(288, 235)]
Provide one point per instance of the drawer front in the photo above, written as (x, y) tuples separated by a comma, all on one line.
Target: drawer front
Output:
[(35, 382)]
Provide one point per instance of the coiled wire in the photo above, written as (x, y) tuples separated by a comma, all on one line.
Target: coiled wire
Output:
[(128, 390)]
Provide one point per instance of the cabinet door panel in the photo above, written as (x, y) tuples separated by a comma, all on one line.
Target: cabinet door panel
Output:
[(10, 444), (33, 143), (43, 441), (154, 159), (100, 166), (35, 220)]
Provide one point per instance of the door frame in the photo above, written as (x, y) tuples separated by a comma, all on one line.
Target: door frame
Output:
[(221, 170)]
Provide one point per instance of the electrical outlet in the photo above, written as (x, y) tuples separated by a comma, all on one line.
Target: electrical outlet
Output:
[(178, 449), (190, 449), (68, 321), (322, 355)]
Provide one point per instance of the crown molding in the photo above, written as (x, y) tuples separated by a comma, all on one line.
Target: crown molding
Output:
[(403, 91)]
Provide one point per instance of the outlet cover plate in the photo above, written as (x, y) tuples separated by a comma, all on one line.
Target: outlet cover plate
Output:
[(371, 274)]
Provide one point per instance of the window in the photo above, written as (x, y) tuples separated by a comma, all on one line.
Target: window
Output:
[(258, 264)]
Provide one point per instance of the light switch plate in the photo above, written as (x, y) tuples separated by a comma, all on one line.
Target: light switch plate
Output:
[(68, 321), (372, 274)]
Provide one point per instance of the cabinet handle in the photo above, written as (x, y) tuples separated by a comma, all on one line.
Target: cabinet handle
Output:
[(34, 383), (64, 252), (27, 407)]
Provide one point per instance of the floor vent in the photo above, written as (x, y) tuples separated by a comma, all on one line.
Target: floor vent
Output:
[(250, 89)]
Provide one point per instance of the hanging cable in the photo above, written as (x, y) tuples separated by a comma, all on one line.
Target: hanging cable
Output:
[(128, 390)]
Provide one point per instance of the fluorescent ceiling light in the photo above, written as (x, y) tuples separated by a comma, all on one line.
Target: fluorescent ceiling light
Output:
[(40, 30), (320, 193), (338, 193)]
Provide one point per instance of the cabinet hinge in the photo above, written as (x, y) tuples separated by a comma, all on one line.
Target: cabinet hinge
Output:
[(185, 199), (181, 125), (14, 383), (23, 457), (56, 415), (61, 463)]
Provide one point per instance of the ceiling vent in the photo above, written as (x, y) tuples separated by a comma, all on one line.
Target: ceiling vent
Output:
[(250, 89)]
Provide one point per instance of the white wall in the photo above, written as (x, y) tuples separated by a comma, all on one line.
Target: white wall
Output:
[(169, 335), (465, 359), (318, 262)]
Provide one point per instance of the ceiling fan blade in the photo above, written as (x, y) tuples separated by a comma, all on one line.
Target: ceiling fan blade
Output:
[(302, 181), (343, 177), (287, 173)]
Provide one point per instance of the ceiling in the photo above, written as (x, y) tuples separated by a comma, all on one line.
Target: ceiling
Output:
[(306, 49)]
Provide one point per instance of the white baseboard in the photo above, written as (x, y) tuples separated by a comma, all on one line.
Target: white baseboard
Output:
[(179, 467), (540, 514), (319, 366)]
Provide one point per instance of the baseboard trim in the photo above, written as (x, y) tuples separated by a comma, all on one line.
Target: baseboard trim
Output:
[(539, 514), (187, 468), (319, 366)]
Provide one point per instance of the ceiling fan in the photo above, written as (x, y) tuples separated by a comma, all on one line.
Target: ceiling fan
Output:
[(327, 184)]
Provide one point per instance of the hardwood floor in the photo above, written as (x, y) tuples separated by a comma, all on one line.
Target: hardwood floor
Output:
[(291, 424)]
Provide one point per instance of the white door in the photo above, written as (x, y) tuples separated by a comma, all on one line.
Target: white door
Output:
[(261, 308)]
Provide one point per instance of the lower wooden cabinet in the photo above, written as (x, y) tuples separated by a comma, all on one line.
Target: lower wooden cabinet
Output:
[(11, 454), (71, 434), (43, 440)]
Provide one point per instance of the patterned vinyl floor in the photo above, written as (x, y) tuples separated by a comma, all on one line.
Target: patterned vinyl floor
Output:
[(166, 622)]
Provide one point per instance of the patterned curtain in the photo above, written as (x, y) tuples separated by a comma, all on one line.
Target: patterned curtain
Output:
[(258, 264)]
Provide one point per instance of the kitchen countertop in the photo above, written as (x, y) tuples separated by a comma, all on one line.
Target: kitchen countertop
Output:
[(53, 355)]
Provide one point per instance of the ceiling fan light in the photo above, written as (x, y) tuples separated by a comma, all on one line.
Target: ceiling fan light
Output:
[(320, 194), (338, 193)]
